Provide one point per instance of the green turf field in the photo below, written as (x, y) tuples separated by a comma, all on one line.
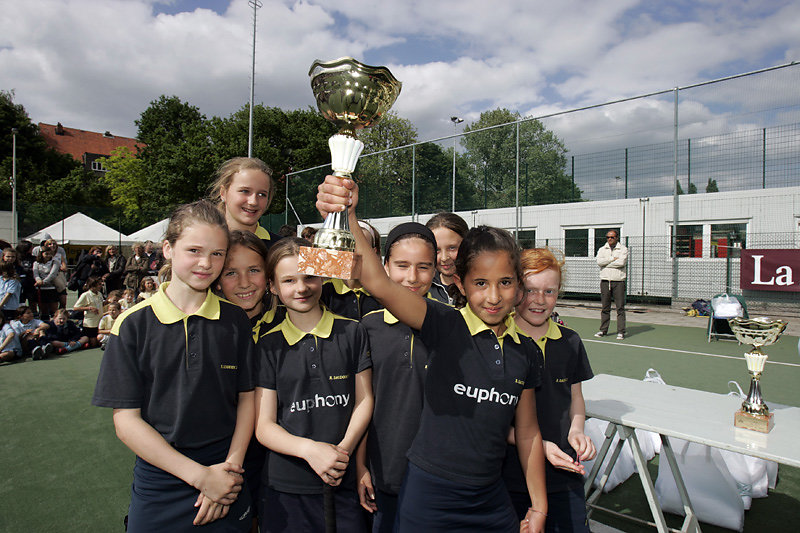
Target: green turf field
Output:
[(64, 470)]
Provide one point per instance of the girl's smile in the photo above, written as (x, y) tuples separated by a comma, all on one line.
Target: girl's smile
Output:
[(491, 288)]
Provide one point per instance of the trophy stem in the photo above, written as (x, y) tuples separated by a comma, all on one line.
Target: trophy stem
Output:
[(754, 403)]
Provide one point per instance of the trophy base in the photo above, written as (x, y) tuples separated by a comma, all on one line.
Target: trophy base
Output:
[(328, 263), (760, 423)]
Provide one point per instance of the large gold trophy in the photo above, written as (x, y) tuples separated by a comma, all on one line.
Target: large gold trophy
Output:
[(758, 332), (352, 96)]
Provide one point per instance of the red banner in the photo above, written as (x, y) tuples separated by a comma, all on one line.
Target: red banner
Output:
[(770, 270)]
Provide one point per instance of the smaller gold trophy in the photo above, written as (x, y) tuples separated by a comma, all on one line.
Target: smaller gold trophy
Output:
[(352, 95), (758, 332)]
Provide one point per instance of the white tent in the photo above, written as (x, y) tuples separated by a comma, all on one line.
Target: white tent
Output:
[(153, 232), (79, 229)]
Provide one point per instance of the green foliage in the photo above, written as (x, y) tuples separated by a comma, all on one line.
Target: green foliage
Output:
[(178, 158), (128, 184), (385, 175), (491, 160), (712, 186), (285, 140)]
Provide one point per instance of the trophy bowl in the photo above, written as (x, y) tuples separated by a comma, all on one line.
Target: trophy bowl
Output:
[(757, 332), (351, 94)]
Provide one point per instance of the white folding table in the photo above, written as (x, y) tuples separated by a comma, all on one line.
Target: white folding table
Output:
[(688, 414)]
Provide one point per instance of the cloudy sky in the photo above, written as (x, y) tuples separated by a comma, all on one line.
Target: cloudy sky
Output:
[(96, 64)]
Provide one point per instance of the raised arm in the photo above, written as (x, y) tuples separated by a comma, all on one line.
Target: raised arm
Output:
[(335, 194)]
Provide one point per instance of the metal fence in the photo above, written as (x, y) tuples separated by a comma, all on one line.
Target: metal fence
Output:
[(649, 272), (736, 133)]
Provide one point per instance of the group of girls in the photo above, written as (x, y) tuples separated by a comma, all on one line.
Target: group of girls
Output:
[(339, 403)]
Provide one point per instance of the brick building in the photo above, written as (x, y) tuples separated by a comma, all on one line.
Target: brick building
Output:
[(85, 146)]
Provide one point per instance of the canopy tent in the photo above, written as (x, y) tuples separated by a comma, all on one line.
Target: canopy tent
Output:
[(153, 232), (81, 230)]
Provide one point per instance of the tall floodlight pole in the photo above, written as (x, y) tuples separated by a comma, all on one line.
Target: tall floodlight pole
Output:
[(456, 121), (14, 186), (255, 4)]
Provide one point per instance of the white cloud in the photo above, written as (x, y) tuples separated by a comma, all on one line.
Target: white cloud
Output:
[(96, 64)]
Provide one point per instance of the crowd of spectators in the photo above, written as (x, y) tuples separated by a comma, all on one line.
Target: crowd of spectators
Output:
[(34, 283)]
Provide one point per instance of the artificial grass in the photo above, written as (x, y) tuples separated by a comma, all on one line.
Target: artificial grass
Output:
[(65, 470)]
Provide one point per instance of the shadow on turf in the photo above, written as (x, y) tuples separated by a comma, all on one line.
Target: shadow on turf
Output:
[(630, 331), (29, 359)]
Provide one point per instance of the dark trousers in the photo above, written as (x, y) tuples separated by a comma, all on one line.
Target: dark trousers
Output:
[(616, 290)]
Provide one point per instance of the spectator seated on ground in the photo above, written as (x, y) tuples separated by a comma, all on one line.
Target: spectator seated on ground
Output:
[(10, 348), (31, 333), (65, 335), (107, 322)]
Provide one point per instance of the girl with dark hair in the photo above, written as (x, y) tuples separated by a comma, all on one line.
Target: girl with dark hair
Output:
[(481, 378), (399, 363), (449, 229)]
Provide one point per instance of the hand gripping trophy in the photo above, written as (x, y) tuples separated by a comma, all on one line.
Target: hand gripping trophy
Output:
[(758, 332), (352, 96)]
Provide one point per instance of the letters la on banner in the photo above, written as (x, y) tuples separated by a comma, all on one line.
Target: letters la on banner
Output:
[(770, 270)]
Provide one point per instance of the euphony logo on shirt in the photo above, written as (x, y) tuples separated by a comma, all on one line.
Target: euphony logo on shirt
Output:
[(480, 395), (331, 400)]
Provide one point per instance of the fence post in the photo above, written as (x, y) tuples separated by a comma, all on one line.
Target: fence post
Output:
[(516, 231), (675, 209)]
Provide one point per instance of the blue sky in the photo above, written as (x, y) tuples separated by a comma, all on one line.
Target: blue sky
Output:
[(96, 64)]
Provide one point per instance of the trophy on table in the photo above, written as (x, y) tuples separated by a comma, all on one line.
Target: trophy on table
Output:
[(352, 96), (757, 332)]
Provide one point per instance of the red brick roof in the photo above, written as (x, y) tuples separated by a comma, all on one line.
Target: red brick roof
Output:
[(78, 142)]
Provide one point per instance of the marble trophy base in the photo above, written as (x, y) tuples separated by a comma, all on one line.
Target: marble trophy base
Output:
[(328, 263), (753, 422)]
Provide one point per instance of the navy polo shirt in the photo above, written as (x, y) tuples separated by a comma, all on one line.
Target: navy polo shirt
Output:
[(565, 363), (314, 375), (184, 372), (267, 320), (472, 388), (347, 302), (399, 364), (438, 290), (266, 236)]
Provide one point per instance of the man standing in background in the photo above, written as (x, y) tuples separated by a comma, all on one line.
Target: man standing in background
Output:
[(612, 258)]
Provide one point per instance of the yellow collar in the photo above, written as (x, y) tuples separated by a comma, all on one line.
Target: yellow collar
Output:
[(340, 287), (476, 325), (293, 334), (168, 313), (553, 332), (389, 318), (261, 233)]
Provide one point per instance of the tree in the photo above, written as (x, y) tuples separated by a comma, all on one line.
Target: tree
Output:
[(178, 157), (42, 197), (127, 181), (491, 158), (385, 177), (712, 186), (285, 140)]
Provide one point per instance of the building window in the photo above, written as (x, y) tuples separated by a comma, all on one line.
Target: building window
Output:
[(527, 238), (97, 166), (727, 240), (689, 240), (576, 242), (600, 237)]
